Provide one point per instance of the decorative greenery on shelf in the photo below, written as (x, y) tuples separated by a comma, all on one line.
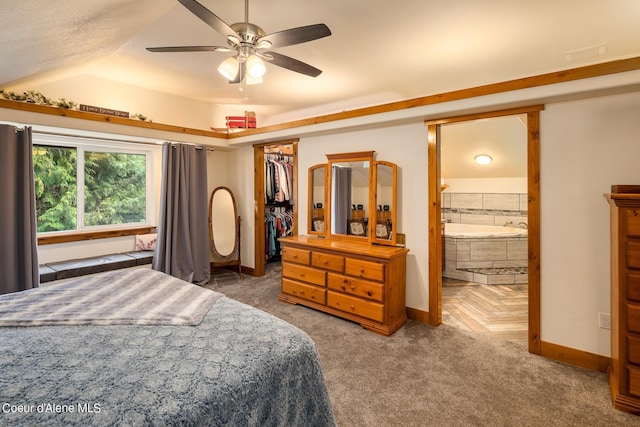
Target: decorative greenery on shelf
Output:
[(34, 97), (141, 117)]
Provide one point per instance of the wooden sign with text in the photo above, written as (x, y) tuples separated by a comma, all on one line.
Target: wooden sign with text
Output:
[(107, 111)]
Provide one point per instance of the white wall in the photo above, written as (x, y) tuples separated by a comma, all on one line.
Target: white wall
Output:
[(240, 181), (586, 146)]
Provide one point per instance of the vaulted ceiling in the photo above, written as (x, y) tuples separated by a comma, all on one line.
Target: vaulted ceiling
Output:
[(379, 51)]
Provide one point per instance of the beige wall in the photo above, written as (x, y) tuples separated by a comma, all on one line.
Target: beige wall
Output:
[(586, 146)]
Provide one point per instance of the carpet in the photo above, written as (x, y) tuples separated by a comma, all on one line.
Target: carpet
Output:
[(423, 375)]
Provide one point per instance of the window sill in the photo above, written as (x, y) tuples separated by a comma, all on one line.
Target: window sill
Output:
[(92, 235)]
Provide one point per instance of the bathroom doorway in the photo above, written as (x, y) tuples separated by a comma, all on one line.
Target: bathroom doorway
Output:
[(476, 197), (484, 217)]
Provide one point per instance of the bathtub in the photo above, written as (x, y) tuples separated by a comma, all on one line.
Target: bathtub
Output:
[(481, 231), (485, 254)]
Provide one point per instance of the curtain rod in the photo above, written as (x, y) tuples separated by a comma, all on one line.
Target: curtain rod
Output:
[(70, 135)]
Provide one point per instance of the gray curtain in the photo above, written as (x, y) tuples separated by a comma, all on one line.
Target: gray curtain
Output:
[(341, 202), (182, 248), (19, 244)]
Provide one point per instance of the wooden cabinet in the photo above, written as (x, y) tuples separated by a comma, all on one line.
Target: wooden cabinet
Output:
[(357, 281), (624, 373)]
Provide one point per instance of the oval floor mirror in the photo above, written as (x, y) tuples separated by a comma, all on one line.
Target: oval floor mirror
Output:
[(224, 230)]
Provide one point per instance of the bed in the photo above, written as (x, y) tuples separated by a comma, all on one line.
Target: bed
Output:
[(236, 366)]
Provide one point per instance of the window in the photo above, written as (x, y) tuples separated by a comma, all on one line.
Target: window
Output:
[(83, 184)]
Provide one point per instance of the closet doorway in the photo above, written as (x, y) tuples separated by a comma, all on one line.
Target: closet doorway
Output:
[(276, 207), (436, 240)]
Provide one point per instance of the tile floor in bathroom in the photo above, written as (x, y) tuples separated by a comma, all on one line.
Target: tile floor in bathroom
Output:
[(499, 311)]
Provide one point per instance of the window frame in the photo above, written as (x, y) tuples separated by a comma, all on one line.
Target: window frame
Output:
[(96, 144)]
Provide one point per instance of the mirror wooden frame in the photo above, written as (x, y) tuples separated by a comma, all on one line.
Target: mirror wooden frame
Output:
[(233, 258), (313, 212)]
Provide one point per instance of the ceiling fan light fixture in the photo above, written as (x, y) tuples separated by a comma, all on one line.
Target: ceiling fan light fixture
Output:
[(253, 80), (255, 66), (229, 68)]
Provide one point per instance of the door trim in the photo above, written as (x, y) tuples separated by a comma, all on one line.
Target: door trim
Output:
[(259, 201), (533, 207)]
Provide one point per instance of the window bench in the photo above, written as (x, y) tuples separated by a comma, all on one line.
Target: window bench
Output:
[(80, 267)]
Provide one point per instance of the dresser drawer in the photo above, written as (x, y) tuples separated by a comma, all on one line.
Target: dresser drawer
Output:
[(300, 256), (357, 287), (634, 380), (633, 222), (633, 318), (633, 254), (357, 306), (305, 274), (327, 261), (365, 269), (308, 292), (633, 349), (633, 285)]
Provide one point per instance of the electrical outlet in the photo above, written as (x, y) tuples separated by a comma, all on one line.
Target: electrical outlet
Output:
[(604, 320)]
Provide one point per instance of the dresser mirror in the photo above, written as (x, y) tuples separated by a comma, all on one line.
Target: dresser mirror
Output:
[(354, 197), (349, 189), (317, 200), (385, 177)]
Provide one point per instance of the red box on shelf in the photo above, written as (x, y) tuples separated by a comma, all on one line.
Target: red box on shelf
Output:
[(241, 122)]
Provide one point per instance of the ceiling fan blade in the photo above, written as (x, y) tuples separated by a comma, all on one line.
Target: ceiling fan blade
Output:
[(189, 49), (296, 35), (291, 64), (209, 18)]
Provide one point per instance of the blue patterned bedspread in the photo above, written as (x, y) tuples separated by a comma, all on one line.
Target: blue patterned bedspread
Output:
[(239, 367)]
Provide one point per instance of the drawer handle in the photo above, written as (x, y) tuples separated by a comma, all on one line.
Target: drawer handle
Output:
[(353, 307), (345, 281), (362, 270), (295, 257), (325, 262), (635, 213), (301, 274), (344, 288), (353, 288), (369, 293), (301, 292)]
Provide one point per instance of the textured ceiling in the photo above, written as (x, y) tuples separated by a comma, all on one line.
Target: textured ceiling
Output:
[(380, 51)]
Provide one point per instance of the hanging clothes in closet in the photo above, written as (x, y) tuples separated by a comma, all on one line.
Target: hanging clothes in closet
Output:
[(278, 178), (277, 223), (278, 217)]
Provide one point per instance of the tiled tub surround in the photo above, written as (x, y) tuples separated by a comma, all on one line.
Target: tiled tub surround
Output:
[(485, 256), (485, 208)]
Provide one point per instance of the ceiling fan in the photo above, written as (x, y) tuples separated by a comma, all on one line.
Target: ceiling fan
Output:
[(251, 45)]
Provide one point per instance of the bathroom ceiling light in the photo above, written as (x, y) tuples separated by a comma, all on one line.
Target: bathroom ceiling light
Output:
[(483, 159)]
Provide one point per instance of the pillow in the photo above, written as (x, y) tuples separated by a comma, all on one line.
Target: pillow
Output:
[(146, 242)]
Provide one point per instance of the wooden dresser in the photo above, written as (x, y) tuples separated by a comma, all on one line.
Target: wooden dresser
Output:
[(357, 281), (624, 373)]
